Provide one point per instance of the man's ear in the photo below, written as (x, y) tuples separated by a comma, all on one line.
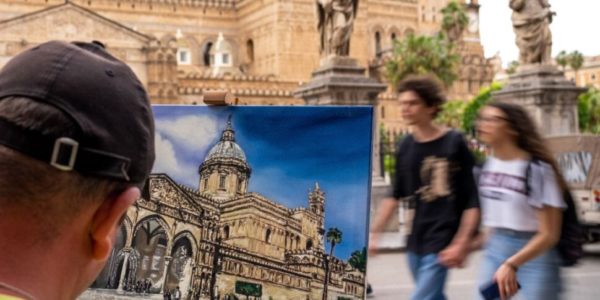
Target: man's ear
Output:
[(106, 221)]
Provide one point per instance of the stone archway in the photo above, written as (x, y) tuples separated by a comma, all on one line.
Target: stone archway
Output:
[(149, 243), (179, 271)]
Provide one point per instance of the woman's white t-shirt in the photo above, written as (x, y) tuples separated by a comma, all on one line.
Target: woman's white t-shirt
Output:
[(506, 201)]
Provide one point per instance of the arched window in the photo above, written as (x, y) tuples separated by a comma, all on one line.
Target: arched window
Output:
[(226, 232), (239, 185), (393, 37), (268, 235), (222, 181), (309, 244), (377, 44), (250, 50), (206, 54)]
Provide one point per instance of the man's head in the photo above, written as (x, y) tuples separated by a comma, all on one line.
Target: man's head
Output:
[(421, 98), (76, 143)]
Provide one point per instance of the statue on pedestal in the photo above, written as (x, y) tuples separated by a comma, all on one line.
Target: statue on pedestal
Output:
[(335, 21), (531, 23)]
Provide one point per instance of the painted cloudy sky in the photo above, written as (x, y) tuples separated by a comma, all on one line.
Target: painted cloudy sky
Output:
[(288, 149)]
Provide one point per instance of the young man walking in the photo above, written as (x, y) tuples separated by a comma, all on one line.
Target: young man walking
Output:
[(434, 174)]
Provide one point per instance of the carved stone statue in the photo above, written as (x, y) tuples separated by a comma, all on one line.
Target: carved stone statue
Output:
[(335, 21), (531, 23)]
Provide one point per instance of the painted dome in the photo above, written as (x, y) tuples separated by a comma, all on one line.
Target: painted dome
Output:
[(227, 147)]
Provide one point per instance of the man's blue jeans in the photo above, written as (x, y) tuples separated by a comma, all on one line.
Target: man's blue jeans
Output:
[(429, 276)]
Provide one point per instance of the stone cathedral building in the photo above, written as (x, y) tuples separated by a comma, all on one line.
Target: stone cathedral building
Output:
[(222, 236), (259, 50)]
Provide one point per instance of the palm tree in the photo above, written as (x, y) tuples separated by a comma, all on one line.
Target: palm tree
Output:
[(575, 61), (454, 21), (334, 237), (562, 59), (416, 55)]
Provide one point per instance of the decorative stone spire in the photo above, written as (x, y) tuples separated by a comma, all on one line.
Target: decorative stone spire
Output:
[(228, 132), (316, 199)]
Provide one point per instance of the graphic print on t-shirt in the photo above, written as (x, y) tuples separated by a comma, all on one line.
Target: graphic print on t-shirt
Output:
[(434, 179), (504, 181)]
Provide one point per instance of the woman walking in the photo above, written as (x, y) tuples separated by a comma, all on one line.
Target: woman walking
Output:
[(521, 192)]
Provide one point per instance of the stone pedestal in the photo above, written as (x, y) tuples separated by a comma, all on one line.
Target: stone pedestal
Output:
[(547, 95), (340, 81)]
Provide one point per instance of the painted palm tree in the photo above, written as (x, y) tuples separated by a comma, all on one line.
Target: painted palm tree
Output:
[(454, 21), (334, 237), (358, 260)]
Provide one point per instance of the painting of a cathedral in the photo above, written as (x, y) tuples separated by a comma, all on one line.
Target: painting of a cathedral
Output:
[(263, 203)]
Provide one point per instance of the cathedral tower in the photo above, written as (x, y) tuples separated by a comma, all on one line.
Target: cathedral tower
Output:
[(225, 171)]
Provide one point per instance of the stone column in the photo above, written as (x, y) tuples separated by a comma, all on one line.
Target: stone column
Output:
[(164, 275), (123, 270)]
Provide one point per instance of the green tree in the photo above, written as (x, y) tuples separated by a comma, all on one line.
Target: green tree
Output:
[(417, 55), (472, 108), (358, 260), (454, 21), (588, 108), (451, 114), (512, 67), (562, 59), (334, 237), (575, 61)]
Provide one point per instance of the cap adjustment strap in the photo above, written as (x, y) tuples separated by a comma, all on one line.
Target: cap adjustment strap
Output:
[(61, 144), (64, 153)]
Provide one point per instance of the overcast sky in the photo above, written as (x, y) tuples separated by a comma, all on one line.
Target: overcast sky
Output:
[(574, 28)]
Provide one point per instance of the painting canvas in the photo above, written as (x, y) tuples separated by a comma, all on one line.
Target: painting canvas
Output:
[(249, 203)]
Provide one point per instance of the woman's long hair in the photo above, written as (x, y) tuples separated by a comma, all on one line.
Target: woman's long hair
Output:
[(529, 138)]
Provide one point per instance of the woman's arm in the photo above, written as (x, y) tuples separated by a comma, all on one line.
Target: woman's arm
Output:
[(550, 220)]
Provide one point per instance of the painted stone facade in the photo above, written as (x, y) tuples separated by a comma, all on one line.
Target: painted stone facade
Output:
[(179, 236)]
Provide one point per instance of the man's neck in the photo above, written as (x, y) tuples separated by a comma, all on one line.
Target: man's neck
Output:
[(427, 131), (28, 267)]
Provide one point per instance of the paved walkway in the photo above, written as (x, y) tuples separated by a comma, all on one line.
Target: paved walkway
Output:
[(388, 274)]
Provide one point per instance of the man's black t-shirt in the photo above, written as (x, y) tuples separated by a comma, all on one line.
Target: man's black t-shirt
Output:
[(437, 177)]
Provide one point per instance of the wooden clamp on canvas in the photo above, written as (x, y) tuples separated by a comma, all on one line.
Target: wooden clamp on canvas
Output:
[(217, 97)]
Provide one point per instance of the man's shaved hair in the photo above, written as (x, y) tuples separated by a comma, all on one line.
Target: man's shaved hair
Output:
[(50, 197)]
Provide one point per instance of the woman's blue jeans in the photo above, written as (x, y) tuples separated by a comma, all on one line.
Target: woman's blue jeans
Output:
[(539, 277)]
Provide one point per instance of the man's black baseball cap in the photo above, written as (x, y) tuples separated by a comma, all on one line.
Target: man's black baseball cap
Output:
[(114, 137)]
